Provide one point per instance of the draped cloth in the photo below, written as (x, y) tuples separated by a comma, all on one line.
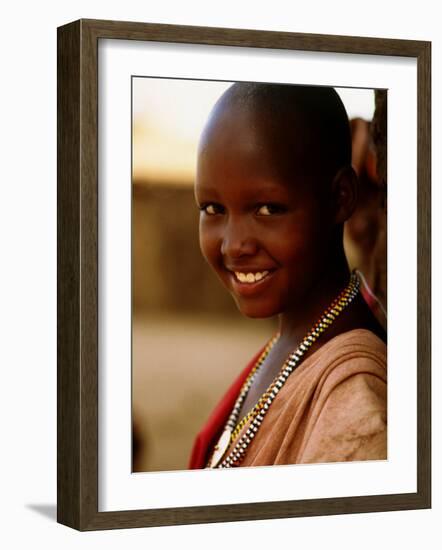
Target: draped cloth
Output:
[(332, 408)]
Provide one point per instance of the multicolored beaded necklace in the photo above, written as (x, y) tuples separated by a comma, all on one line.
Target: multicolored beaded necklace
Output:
[(257, 414)]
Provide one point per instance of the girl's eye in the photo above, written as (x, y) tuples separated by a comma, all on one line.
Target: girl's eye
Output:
[(270, 209), (211, 209)]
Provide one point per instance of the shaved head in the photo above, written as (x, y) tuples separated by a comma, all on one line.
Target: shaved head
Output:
[(305, 127)]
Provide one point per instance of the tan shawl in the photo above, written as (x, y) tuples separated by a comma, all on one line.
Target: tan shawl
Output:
[(333, 407)]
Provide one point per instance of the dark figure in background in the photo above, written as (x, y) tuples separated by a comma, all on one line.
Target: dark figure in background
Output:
[(365, 233)]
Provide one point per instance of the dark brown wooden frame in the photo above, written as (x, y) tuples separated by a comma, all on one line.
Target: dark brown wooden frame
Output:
[(77, 225)]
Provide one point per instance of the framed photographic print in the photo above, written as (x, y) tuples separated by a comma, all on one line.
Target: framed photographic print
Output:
[(286, 171)]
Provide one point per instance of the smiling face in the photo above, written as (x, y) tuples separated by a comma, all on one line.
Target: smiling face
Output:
[(266, 223)]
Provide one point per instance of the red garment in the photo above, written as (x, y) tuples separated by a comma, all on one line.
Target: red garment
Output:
[(214, 426)]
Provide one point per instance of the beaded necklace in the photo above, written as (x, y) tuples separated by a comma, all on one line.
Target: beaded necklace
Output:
[(258, 412)]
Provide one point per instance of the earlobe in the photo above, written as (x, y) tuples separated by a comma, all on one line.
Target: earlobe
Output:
[(345, 193)]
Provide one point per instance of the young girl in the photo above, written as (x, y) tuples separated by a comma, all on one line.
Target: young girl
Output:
[(274, 185)]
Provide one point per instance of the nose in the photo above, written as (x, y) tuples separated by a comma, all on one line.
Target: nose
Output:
[(238, 239)]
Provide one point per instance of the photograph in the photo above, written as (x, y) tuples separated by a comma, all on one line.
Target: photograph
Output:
[(259, 274)]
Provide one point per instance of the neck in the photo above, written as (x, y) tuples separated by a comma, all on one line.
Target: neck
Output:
[(299, 318)]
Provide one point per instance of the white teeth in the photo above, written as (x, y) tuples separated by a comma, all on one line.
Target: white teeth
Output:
[(250, 277)]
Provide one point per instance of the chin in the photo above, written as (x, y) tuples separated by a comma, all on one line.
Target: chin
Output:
[(257, 311)]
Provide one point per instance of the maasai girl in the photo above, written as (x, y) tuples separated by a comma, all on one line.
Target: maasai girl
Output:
[(274, 186)]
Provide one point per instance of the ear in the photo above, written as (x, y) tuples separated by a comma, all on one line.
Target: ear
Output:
[(345, 193)]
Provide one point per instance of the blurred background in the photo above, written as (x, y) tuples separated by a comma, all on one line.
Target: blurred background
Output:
[(189, 341)]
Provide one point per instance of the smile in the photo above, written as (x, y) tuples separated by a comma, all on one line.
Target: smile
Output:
[(250, 282), (250, 278)]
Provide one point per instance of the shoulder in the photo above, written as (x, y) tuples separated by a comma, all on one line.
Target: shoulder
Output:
[(356, 343), (351, 371), (348, 354), (355, 352)]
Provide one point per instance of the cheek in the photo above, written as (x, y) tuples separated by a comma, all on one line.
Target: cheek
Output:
[(287, 243), (297, 246), (209, 244)]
